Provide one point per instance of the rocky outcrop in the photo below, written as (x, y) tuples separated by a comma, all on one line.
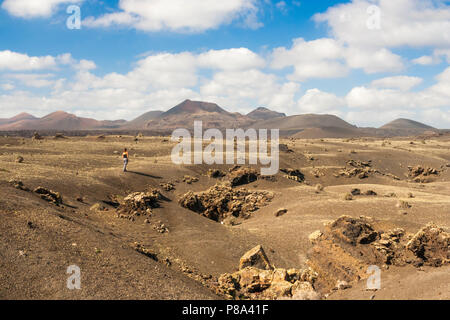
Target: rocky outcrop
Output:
[(258, 280), (221, 201), (346, 248), (421, 174), (49, 195)]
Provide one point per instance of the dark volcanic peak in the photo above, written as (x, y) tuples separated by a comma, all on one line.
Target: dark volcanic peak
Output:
[(405, 124), (262, 113), (191, 107)]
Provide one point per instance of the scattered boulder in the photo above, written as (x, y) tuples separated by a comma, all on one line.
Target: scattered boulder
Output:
[(421, 174), (280, 212), (370, 193), (18, 185), (431, 245), (255, 257), (315, 236), (348, 197), (293, 174), (285, 148), (36, 136), (189, 179), (355, 192), (59, 136), (347, 247), (19, 159), (243, 176), (140, 203), (403, 205), (258, 280), (98, 207), (215, 173), (169, 186), (221, 201), (49, 195), (319, 188), (145, 251)]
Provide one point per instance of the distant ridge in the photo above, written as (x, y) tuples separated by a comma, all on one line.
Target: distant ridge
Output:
[(58, 120), (141, 121), (183, 115), (406, 124), (262, 113)]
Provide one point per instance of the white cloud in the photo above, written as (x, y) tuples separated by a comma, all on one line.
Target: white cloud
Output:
[(311, 59), (316, 101), (242, 90), (373, 61), (328, 58), (415, 23), (282, 6), (426, 60), (178, 15), (231, 59), (33, 80), (34, 8), (435, 96), (7, 86), (21, 62), (403, 83)]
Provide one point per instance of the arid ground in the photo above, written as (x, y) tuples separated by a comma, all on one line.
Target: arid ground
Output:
[(171, 252)]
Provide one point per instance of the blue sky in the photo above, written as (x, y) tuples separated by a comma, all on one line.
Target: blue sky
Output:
[(367, 61)]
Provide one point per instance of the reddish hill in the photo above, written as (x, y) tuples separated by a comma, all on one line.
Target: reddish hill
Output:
[(19, 117), (58, 120)]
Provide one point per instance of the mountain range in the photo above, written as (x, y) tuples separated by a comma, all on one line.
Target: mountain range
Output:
[(184, 114)]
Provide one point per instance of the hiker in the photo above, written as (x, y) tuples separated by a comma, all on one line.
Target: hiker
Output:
[(125, 159)]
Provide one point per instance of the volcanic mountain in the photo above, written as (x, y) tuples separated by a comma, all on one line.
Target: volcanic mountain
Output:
[(296, 124), (58, 120), (141, 121), (406, 124), (19, 117), (262, 113), (184, 115)]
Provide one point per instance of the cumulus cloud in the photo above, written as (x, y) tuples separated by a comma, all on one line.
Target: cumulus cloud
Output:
[(178, 15), (435, 96), (316, 101), (321, 58), (34, 8), (329, 58), (414, 23), (403, 83), (33, 80), (14, 61), (231, 59)]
